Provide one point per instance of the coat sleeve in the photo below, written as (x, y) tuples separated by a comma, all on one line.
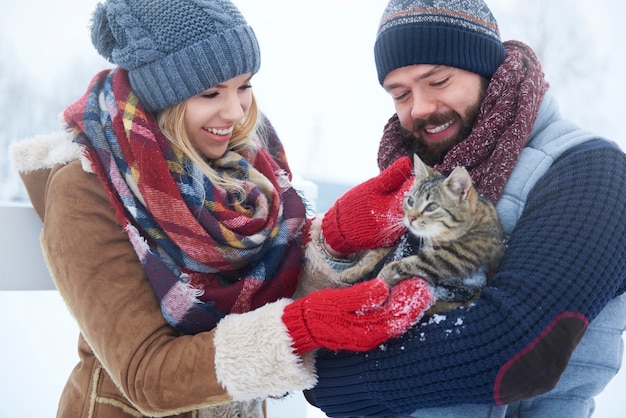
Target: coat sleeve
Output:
[(158, 370), (565, 261)]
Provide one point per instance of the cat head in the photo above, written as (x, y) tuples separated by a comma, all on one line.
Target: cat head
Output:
[(439, 207)]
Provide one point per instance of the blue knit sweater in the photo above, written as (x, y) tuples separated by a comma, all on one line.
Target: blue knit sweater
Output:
[(566, 259)]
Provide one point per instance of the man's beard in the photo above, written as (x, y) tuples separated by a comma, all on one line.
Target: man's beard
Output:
[(431, 152)]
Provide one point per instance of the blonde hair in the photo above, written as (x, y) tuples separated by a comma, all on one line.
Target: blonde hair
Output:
[(245, 133)]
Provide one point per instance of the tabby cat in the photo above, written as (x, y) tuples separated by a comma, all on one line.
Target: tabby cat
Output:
[(460, 237)]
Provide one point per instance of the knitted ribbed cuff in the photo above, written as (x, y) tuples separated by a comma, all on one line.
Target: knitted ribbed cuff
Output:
[(297, 329), (332, 234), (341, 385)]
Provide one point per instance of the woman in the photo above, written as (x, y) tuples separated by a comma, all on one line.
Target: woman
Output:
[(173, 233)]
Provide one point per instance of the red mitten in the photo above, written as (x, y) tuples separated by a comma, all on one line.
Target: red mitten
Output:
[(370, 215), (357, 318)]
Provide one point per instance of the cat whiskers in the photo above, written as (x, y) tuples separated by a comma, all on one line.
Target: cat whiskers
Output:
[(394, 226)]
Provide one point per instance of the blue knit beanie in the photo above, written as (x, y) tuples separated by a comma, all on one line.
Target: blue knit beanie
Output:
[(174, 49), (459, 33)]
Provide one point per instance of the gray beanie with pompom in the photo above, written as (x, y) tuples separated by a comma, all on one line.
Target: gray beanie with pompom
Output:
[(174, 49)]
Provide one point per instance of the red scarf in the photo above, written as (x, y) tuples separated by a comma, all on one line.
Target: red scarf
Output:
[(502, 128)]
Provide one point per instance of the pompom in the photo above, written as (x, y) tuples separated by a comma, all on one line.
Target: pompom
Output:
[(101, 35)]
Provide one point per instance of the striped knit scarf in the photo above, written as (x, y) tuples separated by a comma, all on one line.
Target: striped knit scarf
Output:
[(205, 253), (502, 128)]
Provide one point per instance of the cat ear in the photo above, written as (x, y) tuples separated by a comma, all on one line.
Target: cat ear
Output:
[(459, 182), (420, 169)]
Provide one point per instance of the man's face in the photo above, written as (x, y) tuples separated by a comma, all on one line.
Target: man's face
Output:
[(436, 105)]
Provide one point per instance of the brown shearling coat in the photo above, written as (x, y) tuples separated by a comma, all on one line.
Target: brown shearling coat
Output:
[(132, 362)]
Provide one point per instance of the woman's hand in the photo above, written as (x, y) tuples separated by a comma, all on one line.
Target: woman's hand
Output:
[(357, 318), (369, 215)]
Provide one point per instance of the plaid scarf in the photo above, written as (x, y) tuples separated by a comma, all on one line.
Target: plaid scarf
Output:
[(502, 128), (205, 253)]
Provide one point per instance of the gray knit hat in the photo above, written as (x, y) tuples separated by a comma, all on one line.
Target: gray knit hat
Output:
[(174, 49), (455, 33)]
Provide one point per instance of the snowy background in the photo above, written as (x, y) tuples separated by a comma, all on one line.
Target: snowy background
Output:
[(317, 81), (317, 84)]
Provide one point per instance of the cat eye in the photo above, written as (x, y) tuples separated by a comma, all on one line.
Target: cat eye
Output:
[(431, 207), (410, 201)]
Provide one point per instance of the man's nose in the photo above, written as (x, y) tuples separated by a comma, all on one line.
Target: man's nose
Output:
[(423, 106)]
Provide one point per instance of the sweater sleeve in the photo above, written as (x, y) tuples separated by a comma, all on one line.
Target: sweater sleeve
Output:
[(564, 262)]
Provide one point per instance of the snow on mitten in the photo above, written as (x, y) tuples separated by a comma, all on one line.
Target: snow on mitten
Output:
[(357, 318)]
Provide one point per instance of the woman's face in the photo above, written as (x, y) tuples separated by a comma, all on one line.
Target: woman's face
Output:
[(211, 115)]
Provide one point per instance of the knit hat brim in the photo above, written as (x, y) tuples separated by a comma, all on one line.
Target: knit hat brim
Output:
[(407, 45), (196, 68)]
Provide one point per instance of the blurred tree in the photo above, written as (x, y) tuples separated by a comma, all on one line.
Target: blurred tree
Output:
[(567, 46), (14, 123), (30, 107)]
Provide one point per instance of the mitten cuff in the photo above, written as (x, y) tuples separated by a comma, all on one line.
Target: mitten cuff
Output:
[(254, 356), (332, 234), (297, 329), (330, 228)]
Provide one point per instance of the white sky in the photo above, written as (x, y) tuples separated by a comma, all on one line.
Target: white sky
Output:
[(317, 81)]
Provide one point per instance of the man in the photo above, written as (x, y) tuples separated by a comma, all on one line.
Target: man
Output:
[(545, 335)]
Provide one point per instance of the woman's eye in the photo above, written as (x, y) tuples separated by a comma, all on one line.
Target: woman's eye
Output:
[(210, 95)]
